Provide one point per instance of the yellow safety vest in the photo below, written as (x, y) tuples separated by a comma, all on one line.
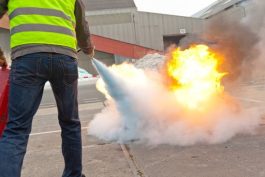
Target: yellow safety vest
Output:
[(42, 22)]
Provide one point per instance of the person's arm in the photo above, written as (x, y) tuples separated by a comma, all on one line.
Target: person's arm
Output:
[(82, 29), (3, 7)]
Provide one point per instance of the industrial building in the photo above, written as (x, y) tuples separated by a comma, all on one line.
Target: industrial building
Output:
[(235, 8), (120, 32)]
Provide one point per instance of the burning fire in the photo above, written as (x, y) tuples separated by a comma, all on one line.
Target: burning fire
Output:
[(196, 80), (191, 108)]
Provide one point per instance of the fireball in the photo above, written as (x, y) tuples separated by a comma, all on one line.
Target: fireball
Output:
[(195, 75), (196, 81)]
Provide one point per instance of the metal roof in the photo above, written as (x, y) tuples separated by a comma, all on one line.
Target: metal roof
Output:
[(92, 5), (217, 7)]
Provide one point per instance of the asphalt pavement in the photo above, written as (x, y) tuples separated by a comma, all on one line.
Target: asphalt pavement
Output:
[(44, 157), (242, 156), (87, 93)]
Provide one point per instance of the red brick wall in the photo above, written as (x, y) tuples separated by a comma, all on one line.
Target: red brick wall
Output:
[(120, 48)]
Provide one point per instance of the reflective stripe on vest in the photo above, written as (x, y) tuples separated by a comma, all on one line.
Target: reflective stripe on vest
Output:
[(38, 11), (42, 22)]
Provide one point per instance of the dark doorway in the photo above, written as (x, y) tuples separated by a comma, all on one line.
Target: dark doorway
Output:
[(172, 40)]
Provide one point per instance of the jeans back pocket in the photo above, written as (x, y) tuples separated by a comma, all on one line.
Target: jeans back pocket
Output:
[(70, 71)]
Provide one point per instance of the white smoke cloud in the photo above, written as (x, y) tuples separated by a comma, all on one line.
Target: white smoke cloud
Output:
[(157, 118)]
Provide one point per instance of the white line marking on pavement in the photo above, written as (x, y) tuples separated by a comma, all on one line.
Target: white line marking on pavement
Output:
[(51, 132), (250, 100), (90, 146), (82, 107)]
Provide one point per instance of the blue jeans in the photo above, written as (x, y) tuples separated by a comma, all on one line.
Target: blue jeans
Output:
[(28, 76)]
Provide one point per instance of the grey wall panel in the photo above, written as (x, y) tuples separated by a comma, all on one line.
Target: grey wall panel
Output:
[(122, 32), (110, 11), (151, 27), (5, 42), (92, 5), (142, 28), (218, 7), (236, 12), (149, 30), (197, 26), (172, 25), (107, 19)]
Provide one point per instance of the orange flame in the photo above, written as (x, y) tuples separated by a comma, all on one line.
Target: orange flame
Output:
[(196, 80)]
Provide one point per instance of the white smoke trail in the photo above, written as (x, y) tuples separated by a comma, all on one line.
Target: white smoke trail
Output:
[(148, 112)]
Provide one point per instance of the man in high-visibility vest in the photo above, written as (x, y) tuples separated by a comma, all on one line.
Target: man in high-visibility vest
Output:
[(44, 39)]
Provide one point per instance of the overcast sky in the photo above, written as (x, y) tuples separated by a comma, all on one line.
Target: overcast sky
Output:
[(175, 7)]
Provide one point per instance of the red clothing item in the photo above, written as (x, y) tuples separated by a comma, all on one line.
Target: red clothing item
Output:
[(4, 89)]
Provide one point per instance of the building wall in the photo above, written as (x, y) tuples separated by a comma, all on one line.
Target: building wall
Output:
[(110, 11), (142, 28), (122, 32), (236, 12), (96, 5), (114, 24), (219, 7), (5, 42), (151, 27)]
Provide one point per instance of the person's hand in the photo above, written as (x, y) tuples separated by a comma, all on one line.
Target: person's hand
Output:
[(91, 52)]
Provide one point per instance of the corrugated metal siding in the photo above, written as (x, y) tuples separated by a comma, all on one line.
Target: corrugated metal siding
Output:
[(110, 11), (92, 5), (95, 20), (149, 30), (122, 32), (237, 12), (150, 27), (218, 7), (142, 28)]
